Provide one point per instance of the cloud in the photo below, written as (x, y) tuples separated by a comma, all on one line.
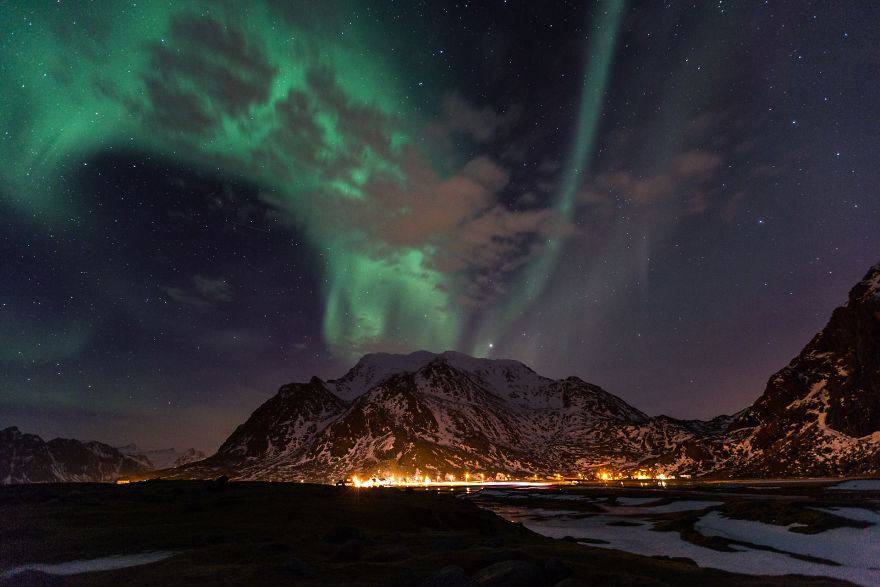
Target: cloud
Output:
[(461, 122), (214, 290), (685, 185), (698, 166), (202, 292), (233, 339), (425, 209), (459, 222), (480, 124), (204, 70)]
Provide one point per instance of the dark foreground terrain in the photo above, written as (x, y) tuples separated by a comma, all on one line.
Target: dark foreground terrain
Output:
[(277, 533)]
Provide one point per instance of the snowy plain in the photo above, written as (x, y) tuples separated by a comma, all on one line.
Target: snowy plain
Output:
[(855, 552), (106, 563), (858, 485)]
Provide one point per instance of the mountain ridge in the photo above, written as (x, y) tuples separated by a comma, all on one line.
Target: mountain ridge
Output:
[(27, 458), (442, 414)]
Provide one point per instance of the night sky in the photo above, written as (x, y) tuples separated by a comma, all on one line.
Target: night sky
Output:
[(200, 202)]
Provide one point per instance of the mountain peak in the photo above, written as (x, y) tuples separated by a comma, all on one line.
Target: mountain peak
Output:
[(428, 413), (820, 415), (374, 368), (867, 291)]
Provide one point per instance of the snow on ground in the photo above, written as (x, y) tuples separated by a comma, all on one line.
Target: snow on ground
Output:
[(857, 550), (860, 514), (859, 485), (107, 563)]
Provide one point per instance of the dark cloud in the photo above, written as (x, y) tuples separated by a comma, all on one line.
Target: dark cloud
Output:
[(684, 187), (202, 71)]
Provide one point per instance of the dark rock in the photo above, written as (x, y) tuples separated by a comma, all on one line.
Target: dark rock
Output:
[(349, 552), (512, 574), (622, 579), (297, 566), (493, 542), (503, 555), (217, 484), (277, 548), (193, 507), (395, 552), (571, 582), (338, 534), (449, 543), (678, 559), (557, 570), (405, 579), (451, 576)]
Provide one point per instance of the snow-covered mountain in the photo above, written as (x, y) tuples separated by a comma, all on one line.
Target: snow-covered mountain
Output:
[(164, 458), (26, 458), (441, 414), (820, 415)]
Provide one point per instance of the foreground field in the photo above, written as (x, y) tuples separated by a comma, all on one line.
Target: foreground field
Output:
[(275, 533), (816, 528)]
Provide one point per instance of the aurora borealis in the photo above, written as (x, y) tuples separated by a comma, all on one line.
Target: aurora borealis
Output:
[(203, 201)]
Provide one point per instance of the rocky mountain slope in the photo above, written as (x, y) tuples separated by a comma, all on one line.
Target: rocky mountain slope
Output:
[(26, 458), (443, 414), (820, 415), (164, 458)]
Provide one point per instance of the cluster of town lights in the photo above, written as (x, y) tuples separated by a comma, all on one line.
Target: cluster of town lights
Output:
[(640, 475), (467, 481), (447, 481)]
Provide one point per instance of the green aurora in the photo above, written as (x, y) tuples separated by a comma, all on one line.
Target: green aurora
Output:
[(284, 103), (600, 57)]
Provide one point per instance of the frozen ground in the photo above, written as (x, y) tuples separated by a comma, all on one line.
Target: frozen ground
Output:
[(117, 561), (859, 485), (856, 551)]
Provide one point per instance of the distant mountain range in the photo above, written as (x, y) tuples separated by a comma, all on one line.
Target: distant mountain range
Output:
[(27, 458), (165, 458), (451, 414)]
